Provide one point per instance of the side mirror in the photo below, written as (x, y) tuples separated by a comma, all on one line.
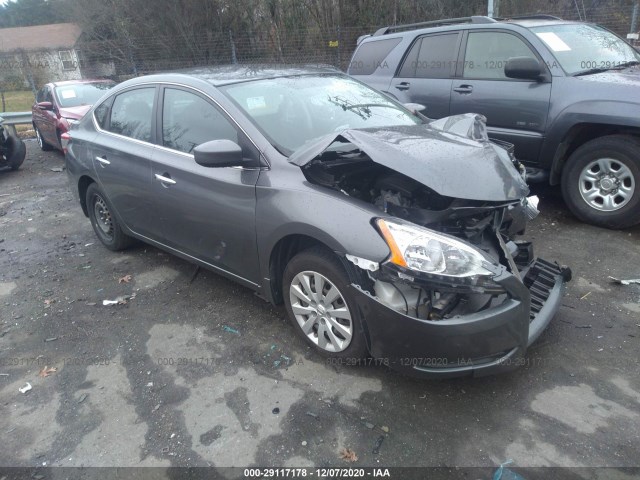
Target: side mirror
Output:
[(45, 106), (525, 68), (218, 153), (414, 107)]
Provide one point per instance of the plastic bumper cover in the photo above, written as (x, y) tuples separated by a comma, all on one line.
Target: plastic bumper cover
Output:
[(483, 343)]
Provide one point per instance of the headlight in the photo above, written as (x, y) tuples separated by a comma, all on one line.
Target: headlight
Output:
[(424, 250)]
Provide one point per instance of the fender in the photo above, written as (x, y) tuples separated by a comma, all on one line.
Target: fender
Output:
[(609, 115)]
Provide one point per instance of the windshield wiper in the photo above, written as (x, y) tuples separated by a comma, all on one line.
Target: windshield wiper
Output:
[(619, 66)]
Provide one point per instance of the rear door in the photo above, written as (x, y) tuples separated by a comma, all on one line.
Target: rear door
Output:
[(207, 213), (426, 73), (122, 153), (516, 110)]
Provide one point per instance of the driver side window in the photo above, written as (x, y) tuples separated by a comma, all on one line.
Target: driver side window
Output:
[(189, 120)]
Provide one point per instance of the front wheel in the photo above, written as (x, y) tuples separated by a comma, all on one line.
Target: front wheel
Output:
[(601, 181), (104, 223), (320, 305)]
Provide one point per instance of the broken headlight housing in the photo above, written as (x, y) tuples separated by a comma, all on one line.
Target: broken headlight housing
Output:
[(423, 250)]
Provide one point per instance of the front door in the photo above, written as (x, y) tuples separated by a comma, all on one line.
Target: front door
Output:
[(516, 110), (208, 213)]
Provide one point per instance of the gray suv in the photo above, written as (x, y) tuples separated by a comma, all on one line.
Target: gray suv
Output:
[(564, 93)]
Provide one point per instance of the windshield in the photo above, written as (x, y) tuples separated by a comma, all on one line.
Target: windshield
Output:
[(582, 48), (81, 93), (293, 110)]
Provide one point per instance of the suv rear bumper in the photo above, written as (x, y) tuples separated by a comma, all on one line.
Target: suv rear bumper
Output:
[(484, 343)]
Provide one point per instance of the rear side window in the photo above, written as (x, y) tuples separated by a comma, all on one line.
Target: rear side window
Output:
[(488, 52), (101, 114), (131, 114), (189, 120), (431, 57), (371, 55)]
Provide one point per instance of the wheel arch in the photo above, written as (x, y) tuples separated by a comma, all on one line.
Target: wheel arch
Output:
[(577, 136), (83, 184)]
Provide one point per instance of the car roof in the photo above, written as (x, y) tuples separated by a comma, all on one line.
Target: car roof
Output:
[(227, 74), (466, 23), (76, 82)]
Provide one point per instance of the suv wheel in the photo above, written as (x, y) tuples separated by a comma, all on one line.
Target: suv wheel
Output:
[(319, 304), (601, 181), (43, 145), (104, 223)]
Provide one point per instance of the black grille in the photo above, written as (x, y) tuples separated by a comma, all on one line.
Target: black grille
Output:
[(540, 280)]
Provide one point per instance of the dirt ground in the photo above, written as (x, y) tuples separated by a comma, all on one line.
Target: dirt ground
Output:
[(201, 372)]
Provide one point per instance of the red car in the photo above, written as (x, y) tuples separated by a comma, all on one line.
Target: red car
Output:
[(60, 104)]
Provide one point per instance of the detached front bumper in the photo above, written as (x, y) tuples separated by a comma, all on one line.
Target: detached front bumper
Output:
[(484, 343)]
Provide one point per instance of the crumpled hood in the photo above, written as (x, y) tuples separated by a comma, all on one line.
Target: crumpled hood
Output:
[(451, 165)]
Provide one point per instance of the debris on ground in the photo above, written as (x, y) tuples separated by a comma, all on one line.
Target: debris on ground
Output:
[(275, 411), (49, 301), (369, 425), (230, 330), (378, 444), (125, 279), (311, 414), (348, 455), (56, 169), (385, 429), (625, 282), (83, 397), (122, 300), (26, 388), (46, 371), (582, 326), (51, 339), (585, 295), (304, 443)]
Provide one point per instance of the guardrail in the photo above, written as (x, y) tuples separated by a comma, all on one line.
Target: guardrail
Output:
[(11, 119)]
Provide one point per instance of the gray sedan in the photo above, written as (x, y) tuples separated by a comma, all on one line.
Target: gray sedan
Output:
[(388, 237)]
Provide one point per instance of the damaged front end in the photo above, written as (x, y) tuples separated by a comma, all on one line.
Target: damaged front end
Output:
[(458, 294)]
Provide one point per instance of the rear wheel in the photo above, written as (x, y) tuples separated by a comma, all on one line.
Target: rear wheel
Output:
[(320, 306), (104, 223), (41, 142), (601, 181)]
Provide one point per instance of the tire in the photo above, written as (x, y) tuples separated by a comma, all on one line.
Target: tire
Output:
[(612, 199), (104, 222), (17, 152), (302, 276), (44, 146)]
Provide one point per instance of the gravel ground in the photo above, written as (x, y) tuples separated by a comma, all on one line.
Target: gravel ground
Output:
[(199, 371)]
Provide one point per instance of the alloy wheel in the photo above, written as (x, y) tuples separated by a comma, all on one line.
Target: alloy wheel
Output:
[(321, 311)]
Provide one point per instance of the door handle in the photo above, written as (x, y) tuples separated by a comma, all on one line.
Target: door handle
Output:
[(403, 86), (103, 161), (464, 89), (165, 178)]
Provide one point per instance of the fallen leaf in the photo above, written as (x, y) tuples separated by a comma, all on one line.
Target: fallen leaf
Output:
[(125, 279), (348, 455), (46, 371)]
